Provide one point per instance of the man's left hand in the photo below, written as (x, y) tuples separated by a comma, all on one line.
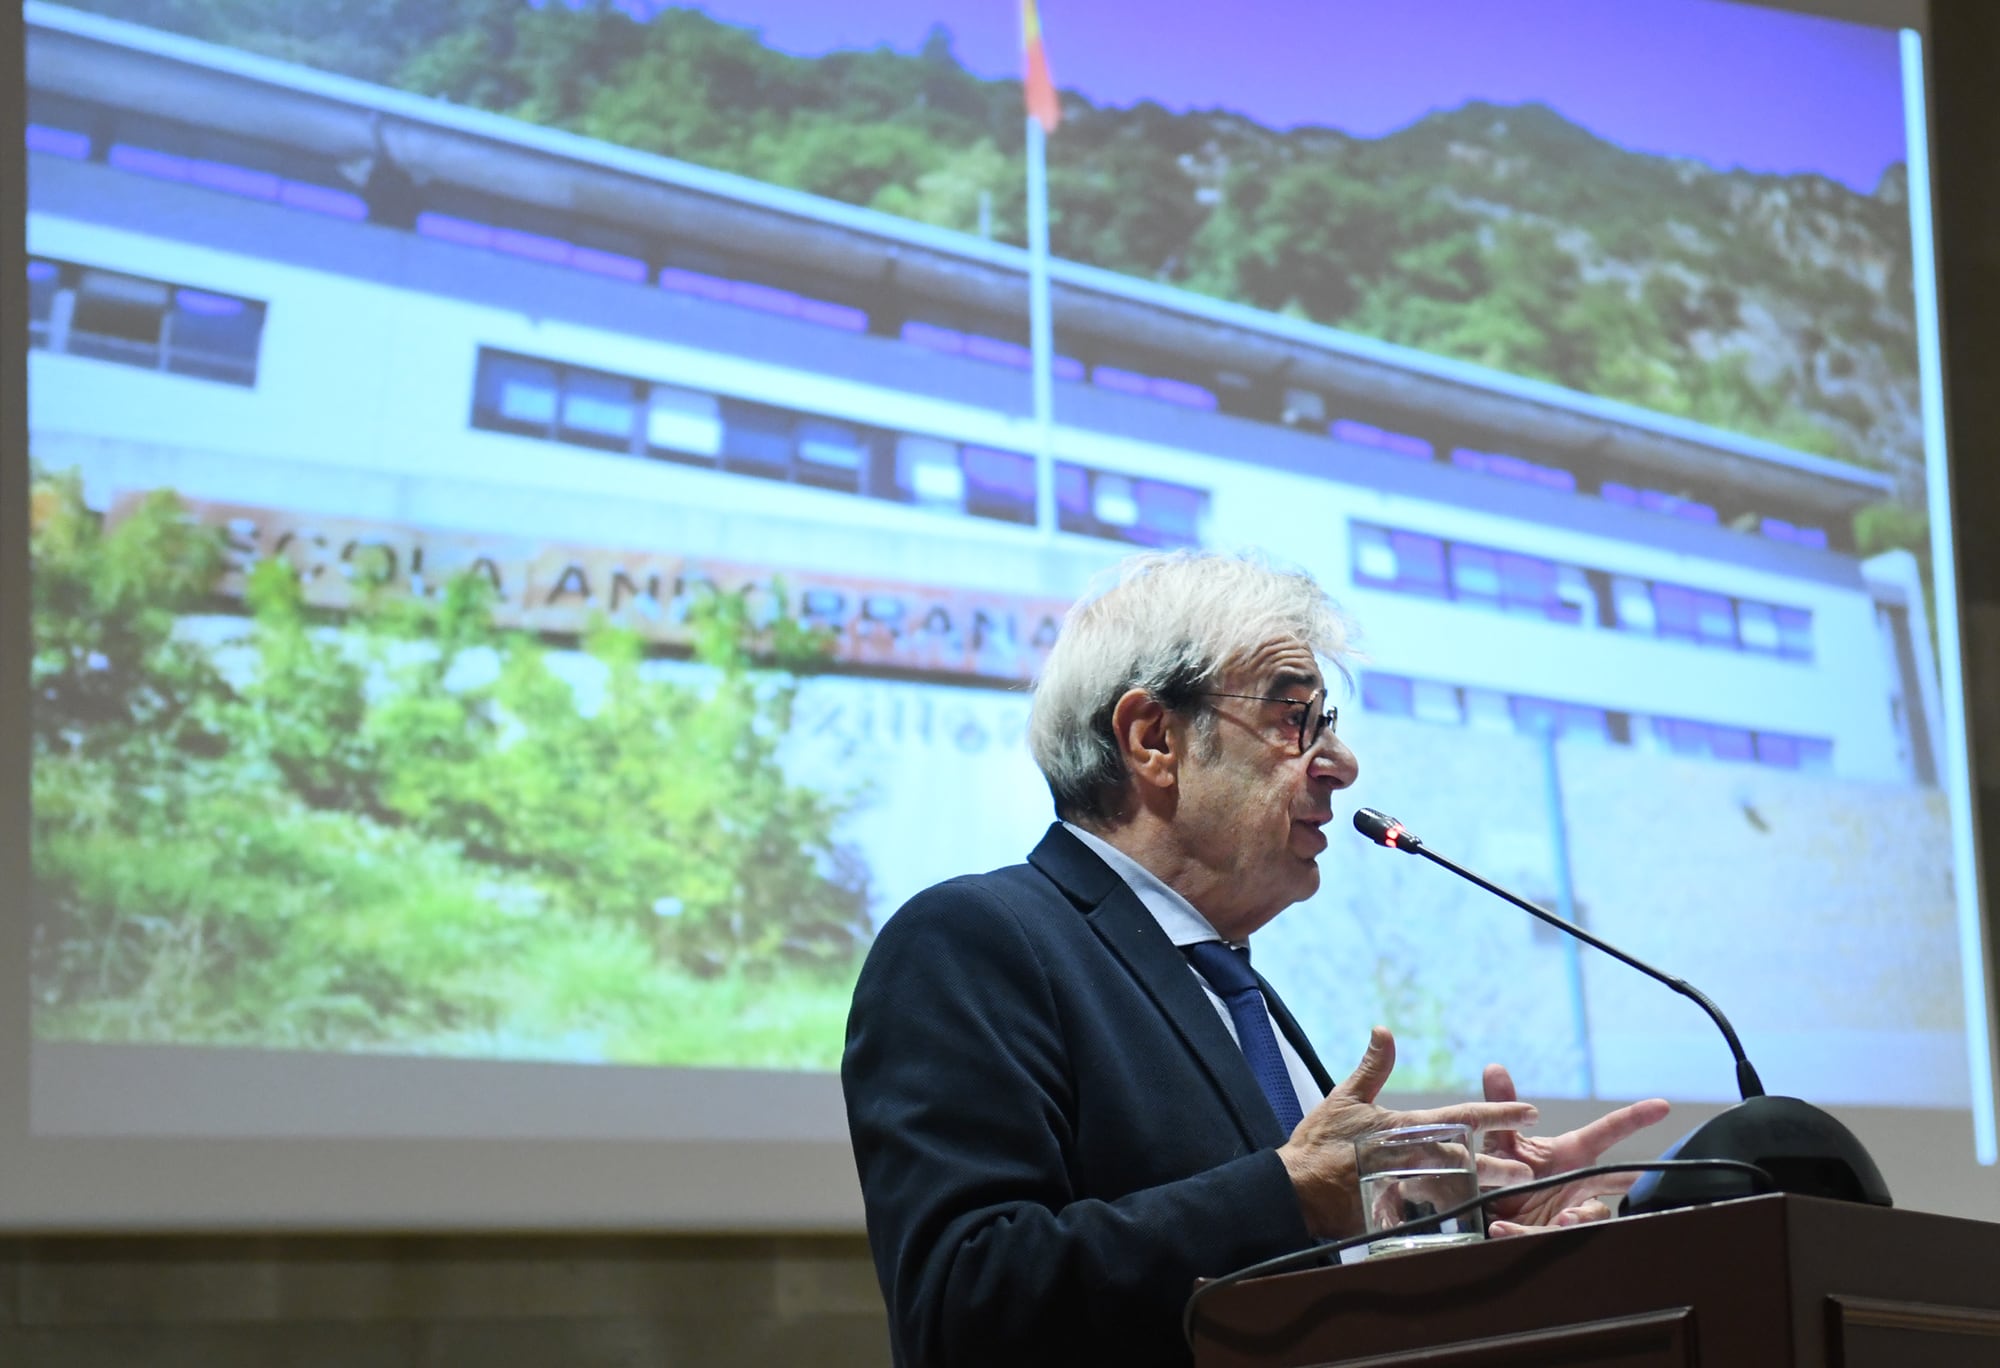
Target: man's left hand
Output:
[(1572, 1203)]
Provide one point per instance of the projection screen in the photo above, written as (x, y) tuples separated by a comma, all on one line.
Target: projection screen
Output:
[(540, 540)]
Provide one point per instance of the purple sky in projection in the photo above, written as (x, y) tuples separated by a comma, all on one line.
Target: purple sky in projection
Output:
[(1730, 84)]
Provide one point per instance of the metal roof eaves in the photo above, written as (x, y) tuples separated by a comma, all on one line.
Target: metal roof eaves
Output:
[(905, 232)]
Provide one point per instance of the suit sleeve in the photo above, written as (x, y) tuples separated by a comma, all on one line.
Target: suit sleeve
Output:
[(961, 1105)]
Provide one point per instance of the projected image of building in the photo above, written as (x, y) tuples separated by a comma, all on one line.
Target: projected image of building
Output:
[(375, 334)]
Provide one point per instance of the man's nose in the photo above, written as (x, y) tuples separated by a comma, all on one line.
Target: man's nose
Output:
[(1333, 761)]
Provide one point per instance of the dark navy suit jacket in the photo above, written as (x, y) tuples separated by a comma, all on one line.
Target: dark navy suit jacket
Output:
[(1055, 1133)]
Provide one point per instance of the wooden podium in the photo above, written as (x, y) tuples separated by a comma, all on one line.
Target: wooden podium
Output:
[(1764, 1282)]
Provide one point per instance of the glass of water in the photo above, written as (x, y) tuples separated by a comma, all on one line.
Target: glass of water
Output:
[(1413, 1172)]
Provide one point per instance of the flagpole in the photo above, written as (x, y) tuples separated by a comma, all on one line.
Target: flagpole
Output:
[(1041, 334)]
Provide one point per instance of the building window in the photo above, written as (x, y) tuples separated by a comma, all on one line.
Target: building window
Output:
[(1127, 508), (1739, 745), (831, 455), (598, 410), (683, 424), (43, 288), (1434, 701), (999, 485), (133, 321), (515, 394), (529, 397), (1413, 563)]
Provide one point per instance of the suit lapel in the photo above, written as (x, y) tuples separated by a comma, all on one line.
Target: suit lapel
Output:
[(1282, 1015), (1130, 932)]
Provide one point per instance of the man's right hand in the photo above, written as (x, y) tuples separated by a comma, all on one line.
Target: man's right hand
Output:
[(1320, 1154)]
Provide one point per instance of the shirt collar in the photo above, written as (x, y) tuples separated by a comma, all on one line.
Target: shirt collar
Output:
[(1175, 914)]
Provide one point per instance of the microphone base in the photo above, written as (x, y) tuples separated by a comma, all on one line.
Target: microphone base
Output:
[(1805, 1150)]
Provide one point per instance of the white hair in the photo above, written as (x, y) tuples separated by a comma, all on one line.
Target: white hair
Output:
[(1169, 623)]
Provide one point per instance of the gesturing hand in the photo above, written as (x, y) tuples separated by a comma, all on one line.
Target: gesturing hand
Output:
[(1572, 1203), (1320, 1154)]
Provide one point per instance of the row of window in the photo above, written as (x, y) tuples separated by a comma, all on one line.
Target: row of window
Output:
[(472, 220), (88, 311), (1414, 448), (1508, 581), (1491, 710), (532, 397)]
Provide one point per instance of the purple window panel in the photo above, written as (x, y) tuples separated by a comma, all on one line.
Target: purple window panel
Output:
[(1659, 501), (1396, 443), (1815, 537), (57, 142), (764, 298), (695, 283), (446, 228), (1526, 580), (1173, 511), (42, 270), (1534, 717), (1549, 477), (1066, 368), (1782, 751), (1794, 633), (1465, 458), (1475, 574), (1181, 392), (1731, 743), (1389, 694), (320, 199), (1619, 493), (235, 180), (1683, 738), (999, 352), (1676, 611), (1777, 529), (932, 336), (533, 246), (1073, 490), (830, 315), (613, 264), (208, 305), (1419, 562), (1006, 473), (1715, 618), (147, 162), (1581, 720), (1112, 378)]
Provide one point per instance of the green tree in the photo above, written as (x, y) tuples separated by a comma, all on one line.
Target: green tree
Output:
[(108, 673)]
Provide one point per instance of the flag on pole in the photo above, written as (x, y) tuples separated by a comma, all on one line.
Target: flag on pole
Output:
[(1036, 84)]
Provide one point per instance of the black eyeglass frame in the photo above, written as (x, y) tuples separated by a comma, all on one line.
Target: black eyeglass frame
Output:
[(1328, 720)]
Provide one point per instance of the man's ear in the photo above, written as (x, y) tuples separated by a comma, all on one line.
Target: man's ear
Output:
[(1140, 722)]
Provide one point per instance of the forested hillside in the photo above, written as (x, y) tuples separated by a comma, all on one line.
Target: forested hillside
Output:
[(1778, 306)]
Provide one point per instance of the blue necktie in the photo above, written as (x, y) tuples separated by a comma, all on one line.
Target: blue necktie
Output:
[(1228, 972)]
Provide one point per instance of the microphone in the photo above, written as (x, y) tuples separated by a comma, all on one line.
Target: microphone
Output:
[(1804, 1149)]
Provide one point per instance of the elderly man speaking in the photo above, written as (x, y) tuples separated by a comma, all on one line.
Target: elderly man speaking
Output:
[(1069, 1095)]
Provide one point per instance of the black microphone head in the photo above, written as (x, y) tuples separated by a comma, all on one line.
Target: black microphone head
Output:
[(1383, 829)]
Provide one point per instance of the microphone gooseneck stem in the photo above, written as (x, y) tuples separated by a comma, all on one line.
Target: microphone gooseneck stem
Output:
[(1748, 1085)]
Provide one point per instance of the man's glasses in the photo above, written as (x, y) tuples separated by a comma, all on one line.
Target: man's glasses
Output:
[(1312, 721)]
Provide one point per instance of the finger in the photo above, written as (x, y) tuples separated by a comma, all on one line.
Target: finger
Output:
[(1495, 1172), (1588, 1141), (1500, 1230), (1478, 1115), (1498, 1086), (1373, 1070), (1583, 1212)]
